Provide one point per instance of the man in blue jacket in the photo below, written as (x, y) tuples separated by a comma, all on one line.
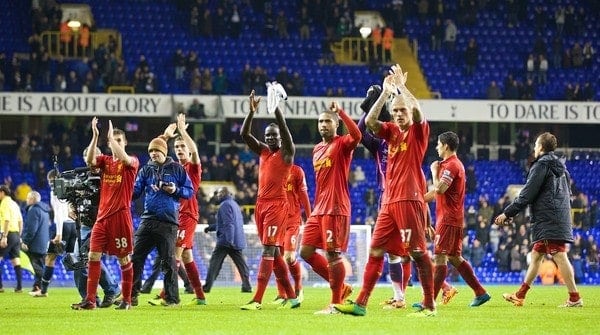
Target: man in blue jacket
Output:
[(36, 234), (163, 182), (230, 240)]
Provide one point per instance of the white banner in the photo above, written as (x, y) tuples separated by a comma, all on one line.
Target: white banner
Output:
[(236, 106)]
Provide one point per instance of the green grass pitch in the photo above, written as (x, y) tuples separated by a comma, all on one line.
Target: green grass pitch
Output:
[(22, 314)]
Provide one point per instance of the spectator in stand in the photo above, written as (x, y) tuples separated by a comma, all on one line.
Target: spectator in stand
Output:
[(549, 273), (220, 82), (588, 55), (557, 52), (559, 19), (471, 57), (493, 91), (74, 85), (577, 55), (529, 90), (196, 82), (220, 23), (530, 65), (296, 85), (207, 24), (282, 25), (542, 74), (587, 92), (195, 21), (282, 76), (503, 258), (450, 34), (196, 110), (207, 81), (471, 182), (388, 43), (592, 258), (437, 35), (304, 22), (192, 62), (235, 22), (179, 64), (268, 23), (247, 79)]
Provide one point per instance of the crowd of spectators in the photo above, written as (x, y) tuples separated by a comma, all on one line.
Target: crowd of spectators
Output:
[(102, 67)]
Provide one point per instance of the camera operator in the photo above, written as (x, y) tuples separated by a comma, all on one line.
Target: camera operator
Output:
[(78, 212)]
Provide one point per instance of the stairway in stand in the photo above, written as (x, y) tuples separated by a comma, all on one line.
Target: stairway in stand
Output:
[(404, 56)]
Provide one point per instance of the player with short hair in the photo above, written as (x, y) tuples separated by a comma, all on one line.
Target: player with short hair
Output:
[(297, 195), (548, 193), (403, 213), (328, 227), (449, 183), (113, 231), (276, 159)]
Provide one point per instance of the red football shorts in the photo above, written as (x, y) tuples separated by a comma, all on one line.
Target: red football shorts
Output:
[(271, 216), (113, 234), (549, 246), (400, 228), (448, 240), (185, 233), (327, 232)]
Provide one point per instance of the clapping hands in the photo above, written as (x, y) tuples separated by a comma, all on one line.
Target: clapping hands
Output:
[(395, 80)]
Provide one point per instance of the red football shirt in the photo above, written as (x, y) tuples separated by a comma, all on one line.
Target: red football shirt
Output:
[(449, 208), (295, 185), (116, 184), (331, 162), (406, 149), (273, 172), (189, 207)]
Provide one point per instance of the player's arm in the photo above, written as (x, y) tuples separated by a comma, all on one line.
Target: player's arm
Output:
[(369, 141), (439, 185), (400, 79), (253, 143), (372, 119), (352, 127), (305, 202), (187, 139), (288, 148), (90, 158), (117, 150)]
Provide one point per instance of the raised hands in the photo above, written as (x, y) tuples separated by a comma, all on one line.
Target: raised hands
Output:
[(170, 130), (334, 107), (181, 125), (400, 77), (254, 102), (95, 131)]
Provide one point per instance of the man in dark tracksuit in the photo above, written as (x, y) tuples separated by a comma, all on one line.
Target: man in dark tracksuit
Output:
[(163, 182), (547, 192), (230, 240)]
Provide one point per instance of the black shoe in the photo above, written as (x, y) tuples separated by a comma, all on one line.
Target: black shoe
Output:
[(189, 290), (146, 290), (108, 300), (134, 301), (123, 305), (205, 289), (246, 290), (84, 305)]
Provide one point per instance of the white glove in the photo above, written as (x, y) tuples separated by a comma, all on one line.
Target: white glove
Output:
[(275, 93)]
